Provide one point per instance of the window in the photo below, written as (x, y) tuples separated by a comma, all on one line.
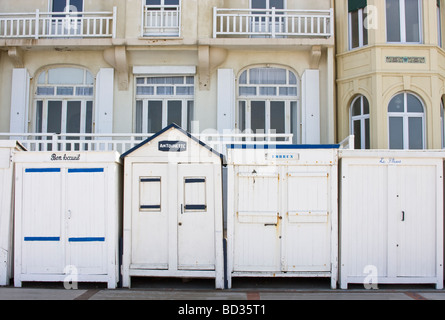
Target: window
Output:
[(162, 18), (150, 194), (161, 101), (262, 23), (406, 122), (403, 21), (195, 194), (64, 101), (268, 101), (360, 122), (358, 33)]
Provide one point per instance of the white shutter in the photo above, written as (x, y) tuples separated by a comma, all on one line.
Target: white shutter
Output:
[(226, 100), (19, 101), (311, 107), (104, 100)]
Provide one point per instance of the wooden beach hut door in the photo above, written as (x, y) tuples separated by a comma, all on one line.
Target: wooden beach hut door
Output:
[(196, 219)]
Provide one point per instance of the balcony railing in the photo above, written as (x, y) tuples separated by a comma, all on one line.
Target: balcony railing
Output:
[(272, 23), (39, 25), (124, 142), (160, 21)]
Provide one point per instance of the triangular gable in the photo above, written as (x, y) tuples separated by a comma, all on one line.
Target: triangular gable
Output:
[(179, 129)]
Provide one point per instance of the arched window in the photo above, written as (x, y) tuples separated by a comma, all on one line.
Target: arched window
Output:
[(268, 101), (64, 101), (360, 122), (406, 122)]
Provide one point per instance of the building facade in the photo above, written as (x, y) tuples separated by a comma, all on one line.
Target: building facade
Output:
[(390, 73), (93, 70)]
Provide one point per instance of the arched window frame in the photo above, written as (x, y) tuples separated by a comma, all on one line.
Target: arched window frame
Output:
[(255, 93), (66, 92), (363, 139), (406, 116)]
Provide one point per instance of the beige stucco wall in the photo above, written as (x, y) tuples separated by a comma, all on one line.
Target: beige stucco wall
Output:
[(365, 71), (183, 51)]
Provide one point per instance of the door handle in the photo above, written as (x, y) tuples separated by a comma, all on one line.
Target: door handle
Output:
[(270, 224), (69, 214), (182, 208), (403, 216)]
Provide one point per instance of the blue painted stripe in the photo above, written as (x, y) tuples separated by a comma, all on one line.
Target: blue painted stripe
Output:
[(42, 170), (93, 170), (283, 146), (42, 239), (88, 239)]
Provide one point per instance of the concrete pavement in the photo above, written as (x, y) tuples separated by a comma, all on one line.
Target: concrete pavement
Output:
[(200, 290)]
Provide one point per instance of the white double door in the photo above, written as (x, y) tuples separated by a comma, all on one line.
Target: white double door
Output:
[(63, 214), (173, 220), (282, 221)]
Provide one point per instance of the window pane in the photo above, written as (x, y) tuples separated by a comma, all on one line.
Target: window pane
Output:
[(39, 116), (355, 41), (171, 2), (54, 118), (259, 4), (154, 123), (76, 5), (258, 116), (190, 115), (414, 104), (59, 5), (365, 106), (277, 117), (242, 116), (294, 125), (247, 91), (138, 128), (174, 112), (358, 134), (396, 133), (367, 135), (73, 117), (267, 76), (268, 91), (65, 76), (397, 104), (357, 107), (365, 30), (415, 133), (277, 4), (393, 21), (89, 118), (412, 20), (147, 91), (153, 2), (65, 91)]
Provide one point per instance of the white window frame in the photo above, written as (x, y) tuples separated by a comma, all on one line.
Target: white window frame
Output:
[(268, 99), (165, 98), (161, 30), (361, 36), (403, 24), (45, 98), (362, 118), (406, 115)]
